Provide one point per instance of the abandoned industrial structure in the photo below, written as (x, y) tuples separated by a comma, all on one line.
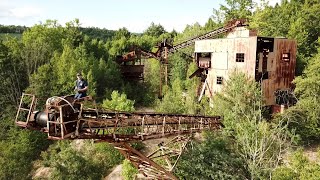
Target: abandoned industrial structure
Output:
[(270, 61)]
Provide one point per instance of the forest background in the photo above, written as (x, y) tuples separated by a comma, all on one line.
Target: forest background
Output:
[(43, 60)]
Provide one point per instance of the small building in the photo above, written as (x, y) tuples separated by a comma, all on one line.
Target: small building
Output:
[(270, 61)]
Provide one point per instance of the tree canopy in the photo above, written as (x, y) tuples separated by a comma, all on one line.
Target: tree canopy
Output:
[(44, 59)]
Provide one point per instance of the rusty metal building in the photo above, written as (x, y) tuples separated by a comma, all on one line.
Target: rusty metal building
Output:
[(270, 61)]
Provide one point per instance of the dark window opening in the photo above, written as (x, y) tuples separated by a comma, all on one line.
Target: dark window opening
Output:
[(286, 57), (219, 80), (265, 75), (264, 44), (240, 57)]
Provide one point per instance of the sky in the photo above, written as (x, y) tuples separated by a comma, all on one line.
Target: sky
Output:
[(135, 15)]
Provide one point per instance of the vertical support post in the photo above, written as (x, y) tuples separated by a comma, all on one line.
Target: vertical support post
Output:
[(31, 108), (166, 65), (179, 126), (142, 128), (61, 122), (21, 100), (160, 83), (163, 125)]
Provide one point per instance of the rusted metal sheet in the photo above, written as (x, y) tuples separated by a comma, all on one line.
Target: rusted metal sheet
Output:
[(281, 69), (130, 56)]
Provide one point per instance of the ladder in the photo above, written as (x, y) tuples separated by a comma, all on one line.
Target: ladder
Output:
[(31, 101)]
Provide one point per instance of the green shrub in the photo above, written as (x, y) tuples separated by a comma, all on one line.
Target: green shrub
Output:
[(17, 152), (128, 170), (118, 102), (298, 167), (260, 143), (211, 159), (83, 161)]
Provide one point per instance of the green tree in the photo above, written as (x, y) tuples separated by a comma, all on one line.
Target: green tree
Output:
[(17, 152), (40, 42), (173, 100), (306, 29), (80, 159), (211, 159), (191, 103), (155, 30), (122, 32), (97, 33), (258, 142), (12, 73), (118, 102), (237, 9), (152, 74)]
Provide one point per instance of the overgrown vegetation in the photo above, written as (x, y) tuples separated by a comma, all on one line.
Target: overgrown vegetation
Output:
[(44, 59), (214, 158), (80, 159), (261, 144), (128, 170), (298, 167), (304, 118)]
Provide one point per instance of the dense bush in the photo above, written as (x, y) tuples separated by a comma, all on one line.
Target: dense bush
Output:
[(128, 170), (80, 159), (17, 152), (298, 167), (213, 158), (45, 58), (118, 102), (259, 143)]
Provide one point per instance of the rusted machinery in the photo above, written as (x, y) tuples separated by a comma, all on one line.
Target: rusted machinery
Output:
[(129, 69), (165, 48), (67, 118)]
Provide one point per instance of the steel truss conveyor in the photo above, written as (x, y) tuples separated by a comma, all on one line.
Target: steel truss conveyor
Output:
[(67, 118)]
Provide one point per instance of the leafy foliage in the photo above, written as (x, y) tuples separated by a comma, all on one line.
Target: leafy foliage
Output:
[(155, 30), (45, 59), (80, 160), (119, 102), (258, 142), (12, 29), (17, 151), (97, 33), (173, 100), (128, 170), (299, 167), (211, 159), (12, 73), (237, 9)]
